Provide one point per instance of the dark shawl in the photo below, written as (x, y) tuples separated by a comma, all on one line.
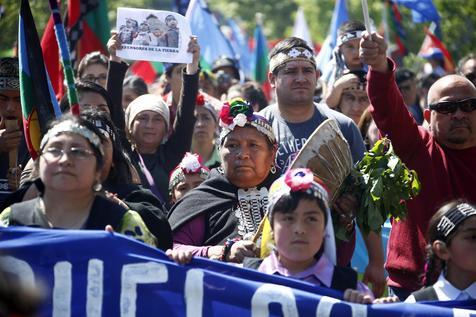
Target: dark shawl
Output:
[(217, 199)]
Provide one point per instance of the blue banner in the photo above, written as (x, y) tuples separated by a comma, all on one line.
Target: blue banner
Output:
[(93, 273)]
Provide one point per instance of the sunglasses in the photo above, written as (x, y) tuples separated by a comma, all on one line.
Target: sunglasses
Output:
[(466, 105)]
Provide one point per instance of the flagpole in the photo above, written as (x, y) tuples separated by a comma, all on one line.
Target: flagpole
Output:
[(65, 58), (365, 10)]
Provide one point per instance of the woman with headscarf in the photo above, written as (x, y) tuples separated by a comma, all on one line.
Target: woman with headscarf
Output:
[(70, 165), (218, 218), (156, 152)]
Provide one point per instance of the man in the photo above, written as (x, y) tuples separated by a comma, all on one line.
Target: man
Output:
[(295, 116), (293, 75), (407, 85), (11, 136), (467, 67), (443, 156)]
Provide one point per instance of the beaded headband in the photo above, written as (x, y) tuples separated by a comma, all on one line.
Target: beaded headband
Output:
[(294, 54), (73, 127), (190, 164), (238, 112), (348, 36), (9, 70), (455, 216)]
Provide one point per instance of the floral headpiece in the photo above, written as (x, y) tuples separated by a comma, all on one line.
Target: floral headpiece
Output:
[(294, 54), (303, 180), (190, 164), (238, 112), (69, 126)]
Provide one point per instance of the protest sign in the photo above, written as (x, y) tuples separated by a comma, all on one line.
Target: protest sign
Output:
[(96, 273), (153, 35)]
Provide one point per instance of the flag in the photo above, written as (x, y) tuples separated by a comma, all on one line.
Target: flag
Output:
[(339, 16), (88, 27), (260, 59), (395, 29), (431, 45), (38, 101), (260, 69), (204, 25), (49, 47), (422, 10), (301, 28), (240, 44), (147, 70), (97, 273)]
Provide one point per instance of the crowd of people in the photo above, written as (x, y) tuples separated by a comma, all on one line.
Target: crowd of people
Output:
[(196, 163)]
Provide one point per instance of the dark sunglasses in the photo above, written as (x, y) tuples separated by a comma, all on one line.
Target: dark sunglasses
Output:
[(466, 105)]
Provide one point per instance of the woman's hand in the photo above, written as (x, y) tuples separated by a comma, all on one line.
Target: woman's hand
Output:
[(193, 48), (240, 250), (114, 44), (179, 256), (354, 296)]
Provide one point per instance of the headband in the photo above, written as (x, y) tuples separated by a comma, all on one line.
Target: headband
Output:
[(69, 126), (294, 54), (9, 79), (104, 128), (454, 217), (190, 164), (303, 180), (238, 112), (347, 36)]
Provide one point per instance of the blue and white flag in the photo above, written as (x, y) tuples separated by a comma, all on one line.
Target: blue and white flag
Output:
[(205, 26), (96, 273)]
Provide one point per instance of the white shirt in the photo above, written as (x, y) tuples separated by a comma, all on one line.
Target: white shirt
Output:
[(446, 291)]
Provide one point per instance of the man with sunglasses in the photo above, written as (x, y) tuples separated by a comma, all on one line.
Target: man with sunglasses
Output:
[(444, 155)]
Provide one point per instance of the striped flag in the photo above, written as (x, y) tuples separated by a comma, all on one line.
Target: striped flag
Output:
[(38, 101), (432, 44), (147, 70), (260, 73), (395, 28)]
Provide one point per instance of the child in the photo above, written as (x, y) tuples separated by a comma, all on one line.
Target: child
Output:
[(304, 237), (186, 176), (451, 267)]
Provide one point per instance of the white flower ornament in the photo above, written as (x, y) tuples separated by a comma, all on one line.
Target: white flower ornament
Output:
[(190, 163), (240, 120), (294, 53)]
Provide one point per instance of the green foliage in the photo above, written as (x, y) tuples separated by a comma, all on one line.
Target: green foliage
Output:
[(382, 183)]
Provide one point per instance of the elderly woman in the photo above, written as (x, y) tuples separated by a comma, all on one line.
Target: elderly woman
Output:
[(205, 131), (231, 204), (70, 165), (186, 176)]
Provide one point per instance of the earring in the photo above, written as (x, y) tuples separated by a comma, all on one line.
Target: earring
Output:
[(273, 169), (97, 187)]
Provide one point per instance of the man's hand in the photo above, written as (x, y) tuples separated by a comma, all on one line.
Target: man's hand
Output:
[(179, 256), (373, 52), (374, 274), (193, 48), (9, 140), (346, 207)]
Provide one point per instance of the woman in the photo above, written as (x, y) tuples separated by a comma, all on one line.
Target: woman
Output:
[(93, 68), (70, 166), (148, 121), (205, 131), (233, 201), (133, 87)]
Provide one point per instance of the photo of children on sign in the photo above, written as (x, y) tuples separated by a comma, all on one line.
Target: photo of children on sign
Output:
[(153, 35)]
